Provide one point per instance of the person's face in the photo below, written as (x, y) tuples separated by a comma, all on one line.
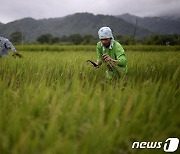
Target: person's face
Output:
[(106, 42)]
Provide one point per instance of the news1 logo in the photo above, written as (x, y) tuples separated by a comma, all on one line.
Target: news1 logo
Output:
[(170, 145)]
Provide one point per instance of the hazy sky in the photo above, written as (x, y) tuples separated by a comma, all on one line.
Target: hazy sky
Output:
[(11, 10)]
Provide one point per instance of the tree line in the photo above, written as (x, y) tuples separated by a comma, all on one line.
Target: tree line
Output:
[(76, 39)]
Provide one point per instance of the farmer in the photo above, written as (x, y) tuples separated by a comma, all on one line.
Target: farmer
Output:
[(111, 53), (5, 45)]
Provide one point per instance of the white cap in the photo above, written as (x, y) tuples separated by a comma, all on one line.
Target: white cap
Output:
[(105, 32)]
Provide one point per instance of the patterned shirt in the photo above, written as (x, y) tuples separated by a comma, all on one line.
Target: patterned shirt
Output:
[(5, 45)]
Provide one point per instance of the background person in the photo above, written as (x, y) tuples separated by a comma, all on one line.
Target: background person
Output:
[(5, 46)]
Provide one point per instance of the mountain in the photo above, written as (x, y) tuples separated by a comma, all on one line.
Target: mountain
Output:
[(82, 23), (27, 26), (1, 24), (159, 25)]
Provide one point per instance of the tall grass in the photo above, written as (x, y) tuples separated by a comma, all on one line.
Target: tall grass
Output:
[(57, 103), (62, 48)]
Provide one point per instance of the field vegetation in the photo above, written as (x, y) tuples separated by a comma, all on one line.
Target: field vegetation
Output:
[(52, 101)]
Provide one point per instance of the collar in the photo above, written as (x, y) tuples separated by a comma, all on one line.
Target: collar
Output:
[(111, 45)]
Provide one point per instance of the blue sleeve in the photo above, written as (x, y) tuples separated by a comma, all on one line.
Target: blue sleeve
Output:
[(9, 45)]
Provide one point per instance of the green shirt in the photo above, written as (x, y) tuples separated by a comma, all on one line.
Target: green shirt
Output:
[(115, 51)]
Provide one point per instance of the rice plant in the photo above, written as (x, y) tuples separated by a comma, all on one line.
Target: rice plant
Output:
[(55, 102)]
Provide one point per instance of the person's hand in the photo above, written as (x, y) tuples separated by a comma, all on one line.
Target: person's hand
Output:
[(96, 65), (16, 54), (106, 57)]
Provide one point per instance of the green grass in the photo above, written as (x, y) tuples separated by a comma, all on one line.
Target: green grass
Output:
[(57, 103), (62, 48)]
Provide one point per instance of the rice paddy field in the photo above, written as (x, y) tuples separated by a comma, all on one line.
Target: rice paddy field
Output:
[(53, 102)]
